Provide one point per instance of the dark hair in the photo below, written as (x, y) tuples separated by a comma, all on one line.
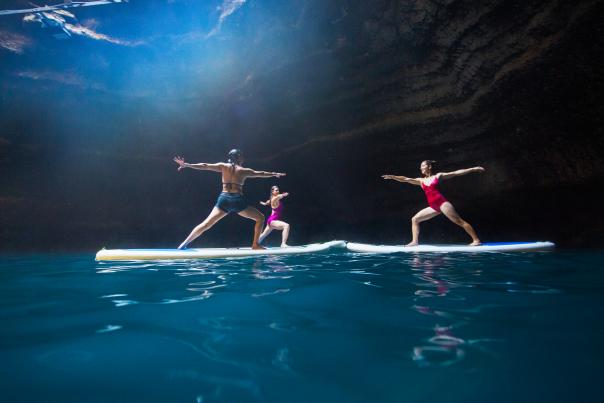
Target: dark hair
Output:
[(431, 164), (270, 196), (234, 156)]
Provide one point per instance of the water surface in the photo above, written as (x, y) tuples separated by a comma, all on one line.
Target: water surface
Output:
[(335, 327)]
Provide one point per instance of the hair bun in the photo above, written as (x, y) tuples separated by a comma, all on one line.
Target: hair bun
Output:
[(234, 156)]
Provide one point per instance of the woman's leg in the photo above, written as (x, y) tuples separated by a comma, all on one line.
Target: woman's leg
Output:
[(449, 211), (422, 215), (253, 214), (215, 215), (282, 226), (265, 233)]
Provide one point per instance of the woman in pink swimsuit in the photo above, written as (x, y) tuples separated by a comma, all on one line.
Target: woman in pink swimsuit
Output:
[(437, 202), (274, 221)]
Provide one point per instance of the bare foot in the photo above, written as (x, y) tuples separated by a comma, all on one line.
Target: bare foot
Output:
[(475, 243), (182, 246), (258, 247), (284, 245), (412, 244)]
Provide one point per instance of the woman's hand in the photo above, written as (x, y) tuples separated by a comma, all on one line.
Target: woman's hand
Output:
[(479, 169), (388, 176), (278, 174), (264, 203), (181, 162)]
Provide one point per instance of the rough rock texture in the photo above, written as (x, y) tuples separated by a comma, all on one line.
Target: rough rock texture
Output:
[(515, 86)]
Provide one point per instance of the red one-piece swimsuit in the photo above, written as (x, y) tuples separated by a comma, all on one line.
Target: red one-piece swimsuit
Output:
[(435, 198)]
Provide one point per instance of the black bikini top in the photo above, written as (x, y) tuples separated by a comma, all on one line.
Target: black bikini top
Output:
[(229, 185)]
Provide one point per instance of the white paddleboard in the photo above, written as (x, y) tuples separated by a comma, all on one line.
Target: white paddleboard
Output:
[(207, 253), (485, 247)]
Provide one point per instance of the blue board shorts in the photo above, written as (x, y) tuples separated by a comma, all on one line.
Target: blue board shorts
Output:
[(231, 202)]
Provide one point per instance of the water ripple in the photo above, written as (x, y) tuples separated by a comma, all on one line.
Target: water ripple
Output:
[(450, 295), (258, 329)]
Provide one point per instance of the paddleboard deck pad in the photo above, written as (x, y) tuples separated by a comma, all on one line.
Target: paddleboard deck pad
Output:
[(485, 247), (209, 253)]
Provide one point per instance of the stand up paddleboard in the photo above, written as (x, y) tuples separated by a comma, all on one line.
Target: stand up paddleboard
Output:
[(485, 247), (208, 253)]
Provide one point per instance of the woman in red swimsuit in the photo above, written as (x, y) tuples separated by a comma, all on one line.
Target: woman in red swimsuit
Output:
[(437, 202)]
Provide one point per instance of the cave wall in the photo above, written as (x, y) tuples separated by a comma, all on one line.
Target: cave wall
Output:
[(513, 86)]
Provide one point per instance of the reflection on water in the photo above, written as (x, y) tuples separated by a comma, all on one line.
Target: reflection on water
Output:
[(443, 347), (439, 287), (261, 328), (217, 274)]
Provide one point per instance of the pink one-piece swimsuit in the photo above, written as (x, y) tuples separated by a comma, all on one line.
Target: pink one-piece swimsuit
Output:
[(276, 214)]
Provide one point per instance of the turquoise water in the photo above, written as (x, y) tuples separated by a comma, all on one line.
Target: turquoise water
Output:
[(335, 327)]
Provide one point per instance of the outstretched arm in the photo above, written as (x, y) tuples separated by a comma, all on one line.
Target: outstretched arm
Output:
[(282, 195), (459, 172), (201, 166), (404, 179), (266, 203), (250, 173)]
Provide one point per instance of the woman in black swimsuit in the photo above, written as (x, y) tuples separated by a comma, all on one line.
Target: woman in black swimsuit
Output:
[(231, 200)]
